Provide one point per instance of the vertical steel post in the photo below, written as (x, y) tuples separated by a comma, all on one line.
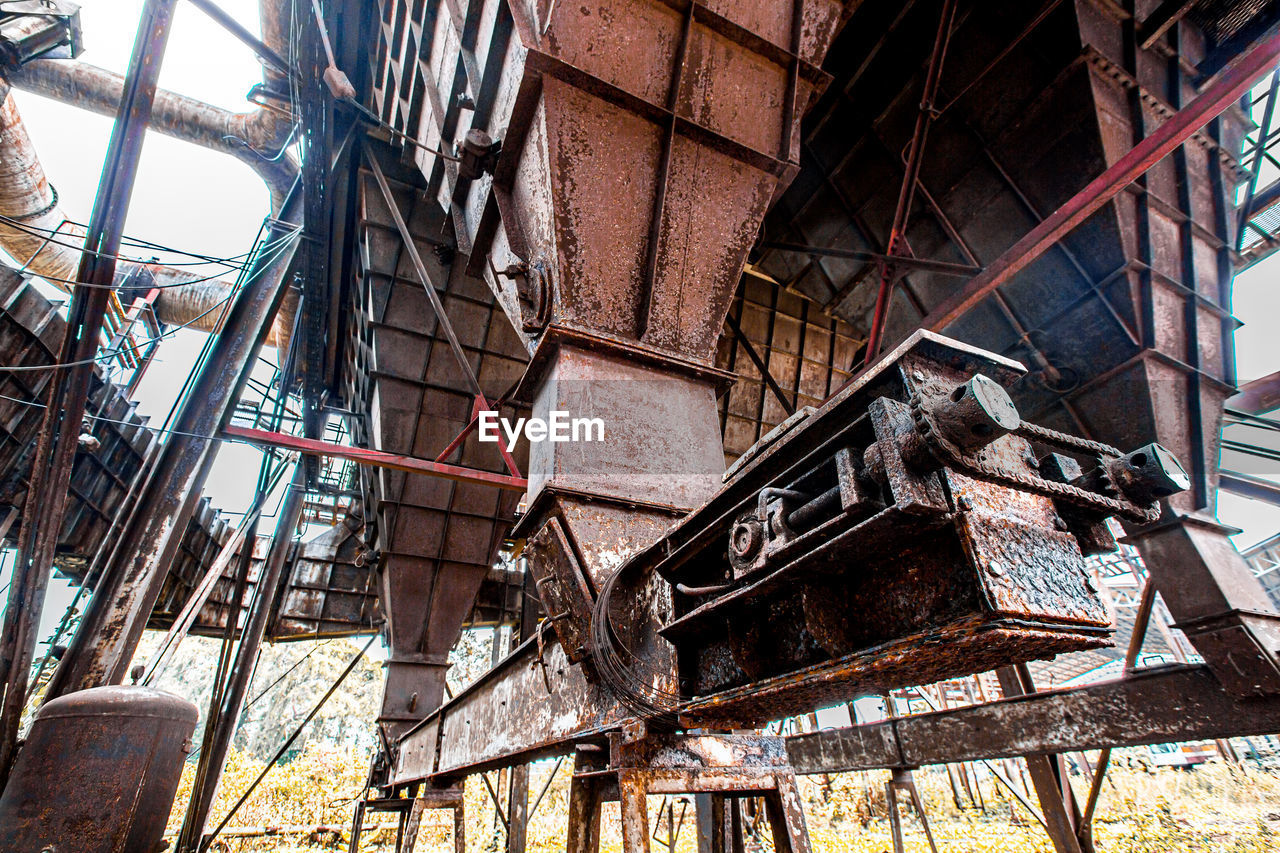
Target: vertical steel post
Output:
[(69, 390), (131, 581), (1057, 803), (215, 754), (518, 809)]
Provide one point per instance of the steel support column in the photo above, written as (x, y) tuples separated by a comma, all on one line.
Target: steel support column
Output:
[(122, 603), (518, 809), (68, 393), (1048, 776), (214, 756), (907, 192)]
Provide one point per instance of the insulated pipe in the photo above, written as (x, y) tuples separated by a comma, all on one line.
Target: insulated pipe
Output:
[(256, 138), (27, 196)]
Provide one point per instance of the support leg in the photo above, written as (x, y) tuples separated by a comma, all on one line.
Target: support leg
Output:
[(735, 827), (711, 822), (924, 818), (411, 824), (895, 820), (584, 817), (518, 809), (786, 817), (635, 812), (401, 818), (1057, 804), (357, 824)]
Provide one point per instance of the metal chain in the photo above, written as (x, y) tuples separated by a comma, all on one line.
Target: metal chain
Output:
[(1066, 441), (949, 454)]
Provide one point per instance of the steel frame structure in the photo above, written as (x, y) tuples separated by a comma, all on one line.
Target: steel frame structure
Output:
[(406, 406)]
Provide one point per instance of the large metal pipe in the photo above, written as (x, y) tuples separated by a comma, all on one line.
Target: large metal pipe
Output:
[(38, 236), (257, 138)]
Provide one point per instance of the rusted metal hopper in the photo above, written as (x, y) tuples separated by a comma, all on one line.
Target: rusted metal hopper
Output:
[(617, 159)]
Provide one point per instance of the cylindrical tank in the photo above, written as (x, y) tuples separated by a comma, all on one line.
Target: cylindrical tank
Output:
[(98, 773)]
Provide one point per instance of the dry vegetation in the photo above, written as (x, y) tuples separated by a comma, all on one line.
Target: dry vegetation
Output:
[(1212, 808)]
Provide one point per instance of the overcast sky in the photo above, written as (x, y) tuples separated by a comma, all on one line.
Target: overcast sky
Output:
[(206, 202), (186, 196)]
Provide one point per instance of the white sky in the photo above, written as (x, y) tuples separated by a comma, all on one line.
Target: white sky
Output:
[(186, 196), (194, 199)]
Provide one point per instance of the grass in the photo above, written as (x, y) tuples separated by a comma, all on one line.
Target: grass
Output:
[(1215, 807)]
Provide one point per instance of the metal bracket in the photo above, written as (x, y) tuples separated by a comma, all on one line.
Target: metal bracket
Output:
[(23, 39)]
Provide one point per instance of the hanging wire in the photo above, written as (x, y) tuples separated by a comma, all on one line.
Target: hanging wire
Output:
[(140, 477), (218, 276), (133, 348), (202, 260), (627, 680)]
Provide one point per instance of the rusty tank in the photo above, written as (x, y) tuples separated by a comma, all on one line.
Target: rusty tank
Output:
[(127, 745)]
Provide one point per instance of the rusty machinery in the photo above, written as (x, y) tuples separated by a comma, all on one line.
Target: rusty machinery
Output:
[(908, 527), (912, 529), (871, 541)]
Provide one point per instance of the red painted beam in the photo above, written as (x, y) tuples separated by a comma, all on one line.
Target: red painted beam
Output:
[(376, 458), (1210, 103)]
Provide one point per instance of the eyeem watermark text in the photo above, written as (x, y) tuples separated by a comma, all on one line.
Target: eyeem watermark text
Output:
[(559, 427)]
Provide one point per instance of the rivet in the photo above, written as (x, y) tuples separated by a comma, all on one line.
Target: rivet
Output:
[(918, 376), (996, 568)]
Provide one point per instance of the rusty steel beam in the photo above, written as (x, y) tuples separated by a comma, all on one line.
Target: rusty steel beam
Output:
[(1161, 19), (442, 318), (923, 264), (1258, 397), (1210, 103), (69, 390), (539, 703), (134, 574), (1157, 705), (1164, 704), (375, 458), (911, 175)]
